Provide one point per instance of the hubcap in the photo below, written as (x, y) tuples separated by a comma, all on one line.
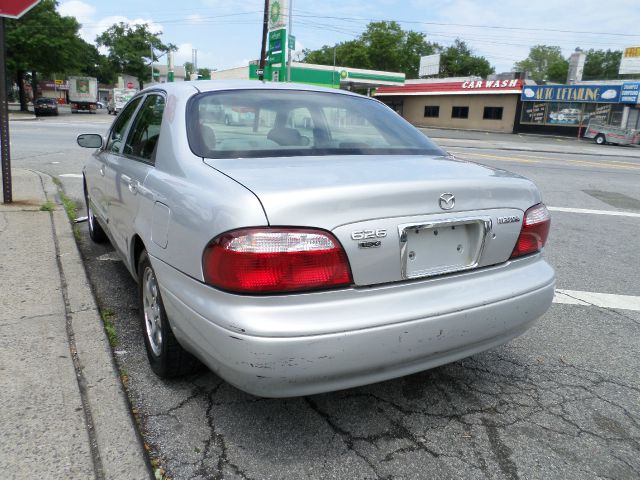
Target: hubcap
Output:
[(151, 304)]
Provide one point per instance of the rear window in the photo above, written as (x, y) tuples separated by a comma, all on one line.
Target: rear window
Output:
[(273, 123)]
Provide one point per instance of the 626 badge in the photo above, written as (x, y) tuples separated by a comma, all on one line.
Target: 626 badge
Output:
[(369, 236)]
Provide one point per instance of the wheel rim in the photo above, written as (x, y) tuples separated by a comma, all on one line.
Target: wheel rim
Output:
[(151, 305)]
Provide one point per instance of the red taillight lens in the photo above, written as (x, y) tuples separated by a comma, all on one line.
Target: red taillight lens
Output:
[(268, 260), (535, 230)]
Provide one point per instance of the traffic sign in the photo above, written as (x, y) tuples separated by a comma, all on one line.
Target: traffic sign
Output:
[(129, 84), (16, 8)]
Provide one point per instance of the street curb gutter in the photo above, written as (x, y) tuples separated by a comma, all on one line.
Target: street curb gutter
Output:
[(118, 443), (530, 150)]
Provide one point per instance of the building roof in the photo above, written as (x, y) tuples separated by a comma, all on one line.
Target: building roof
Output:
[(468, 87)]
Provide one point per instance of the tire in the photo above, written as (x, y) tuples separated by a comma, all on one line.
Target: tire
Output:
[(96, 233), (600, 139), (166, 356)]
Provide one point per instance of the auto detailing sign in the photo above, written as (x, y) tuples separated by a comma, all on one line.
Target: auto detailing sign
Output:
[(16, 8), (572, 93)]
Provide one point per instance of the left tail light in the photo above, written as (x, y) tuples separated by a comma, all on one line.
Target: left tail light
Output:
[(275, 260), (534, 232)]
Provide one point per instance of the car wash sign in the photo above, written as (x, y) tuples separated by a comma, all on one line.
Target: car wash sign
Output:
[(572, 93)]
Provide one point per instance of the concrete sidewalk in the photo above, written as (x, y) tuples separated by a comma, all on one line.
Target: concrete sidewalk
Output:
[(63, 410), (528, 143)]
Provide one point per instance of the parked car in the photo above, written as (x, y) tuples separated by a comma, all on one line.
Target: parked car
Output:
[(45, 106), (294, 261), (99, 104)]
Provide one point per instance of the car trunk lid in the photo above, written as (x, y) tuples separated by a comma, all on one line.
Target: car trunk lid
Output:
[(387, 210)]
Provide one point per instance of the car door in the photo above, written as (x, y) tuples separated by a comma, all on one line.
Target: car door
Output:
[(131, 167), (98, 168)]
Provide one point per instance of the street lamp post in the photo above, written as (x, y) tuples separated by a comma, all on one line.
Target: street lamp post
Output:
[(288, 44)]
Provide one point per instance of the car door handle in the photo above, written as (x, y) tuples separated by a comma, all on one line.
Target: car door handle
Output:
[(133, 186), (101, 170)]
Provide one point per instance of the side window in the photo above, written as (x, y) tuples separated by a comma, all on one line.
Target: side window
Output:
[(120, 127), (144, 134)]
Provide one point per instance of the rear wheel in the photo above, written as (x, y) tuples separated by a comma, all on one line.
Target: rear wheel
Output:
[(96, 233), (600, 139), (166, 356)]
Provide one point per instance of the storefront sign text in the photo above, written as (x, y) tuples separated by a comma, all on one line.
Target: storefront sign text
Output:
[(572, 93), (630, 92), (490, 84)]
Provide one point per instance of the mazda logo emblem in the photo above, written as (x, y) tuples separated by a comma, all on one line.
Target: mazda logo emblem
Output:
[(447, 201)]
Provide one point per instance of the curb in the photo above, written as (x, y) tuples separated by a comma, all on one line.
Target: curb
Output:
[(117, 444), (536, 150), (22, 118)]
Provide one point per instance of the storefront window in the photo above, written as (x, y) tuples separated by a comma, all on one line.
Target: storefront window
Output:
[(564, 113), (533, 113), (492, 113), (460, 112), (570, 114), (432, 111)]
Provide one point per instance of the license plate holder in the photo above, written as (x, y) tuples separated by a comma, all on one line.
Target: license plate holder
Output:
[(442, 246)]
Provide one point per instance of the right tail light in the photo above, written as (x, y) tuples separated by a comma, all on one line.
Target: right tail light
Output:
[(534, 232)]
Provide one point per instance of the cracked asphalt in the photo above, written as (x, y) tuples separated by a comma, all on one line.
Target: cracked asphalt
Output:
[(561, 401)]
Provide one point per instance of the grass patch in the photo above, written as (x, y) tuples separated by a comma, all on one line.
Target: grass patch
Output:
[(107, 318), (124, 377), (71, 207), (48, 206)]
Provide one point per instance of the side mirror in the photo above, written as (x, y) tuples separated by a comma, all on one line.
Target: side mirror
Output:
[(90, 140)]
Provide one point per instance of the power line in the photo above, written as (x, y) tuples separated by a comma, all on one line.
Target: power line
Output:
[(495, 27)]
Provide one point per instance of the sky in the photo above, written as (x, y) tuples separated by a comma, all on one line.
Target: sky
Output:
[(228, 33)]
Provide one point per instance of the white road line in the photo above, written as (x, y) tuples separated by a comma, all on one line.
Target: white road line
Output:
[(71, 175), (604, 300), (594, 212)]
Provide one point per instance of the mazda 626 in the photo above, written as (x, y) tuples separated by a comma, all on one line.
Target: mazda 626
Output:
[(319, 244)]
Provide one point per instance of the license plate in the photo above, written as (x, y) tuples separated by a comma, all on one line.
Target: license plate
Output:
[(442, 247)]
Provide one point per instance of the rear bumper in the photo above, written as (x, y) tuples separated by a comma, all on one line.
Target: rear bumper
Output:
[(302, 351)]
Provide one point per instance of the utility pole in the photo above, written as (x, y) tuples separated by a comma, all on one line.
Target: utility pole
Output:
[(151, 49), (265, 30), (288, 43), (4, 123)]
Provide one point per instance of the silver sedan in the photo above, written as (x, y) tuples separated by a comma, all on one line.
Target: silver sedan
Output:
[(299, 240)]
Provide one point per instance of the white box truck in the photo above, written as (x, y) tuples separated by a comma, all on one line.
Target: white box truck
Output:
[(118, 98), (83, 94)]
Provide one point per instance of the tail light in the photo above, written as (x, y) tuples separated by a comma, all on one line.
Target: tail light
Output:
[(269, 260), (535, 230)]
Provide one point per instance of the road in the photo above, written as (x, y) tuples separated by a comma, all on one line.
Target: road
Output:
[(559, 402)]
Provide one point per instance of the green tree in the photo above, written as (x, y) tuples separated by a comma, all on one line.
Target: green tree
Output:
[(132, 49), (601, 64), (188, 70), (545, 63), (382, 46), (96, 65), (457, 60), (42, 43)]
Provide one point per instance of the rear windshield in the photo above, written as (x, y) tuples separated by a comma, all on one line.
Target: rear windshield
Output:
[(276, 123), (46, 100)]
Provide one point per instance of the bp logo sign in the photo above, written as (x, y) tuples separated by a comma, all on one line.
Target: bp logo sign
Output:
[(277, 9), (276, 12), (344, 74)]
